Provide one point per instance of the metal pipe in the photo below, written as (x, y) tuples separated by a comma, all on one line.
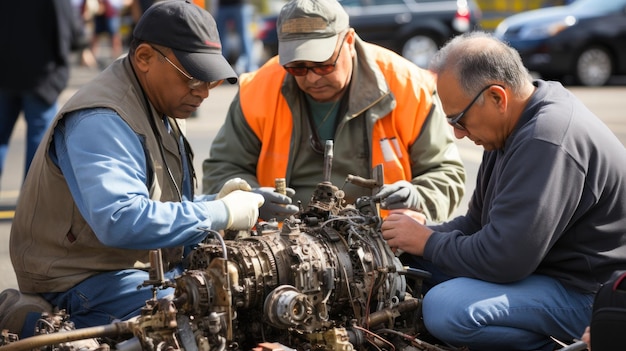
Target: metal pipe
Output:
[(34, 342), (328, 160)]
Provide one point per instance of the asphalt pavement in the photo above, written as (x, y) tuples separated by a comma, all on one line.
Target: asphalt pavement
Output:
[(609, 103)]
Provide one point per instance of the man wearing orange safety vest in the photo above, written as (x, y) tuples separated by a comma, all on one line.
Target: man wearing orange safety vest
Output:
[(328, 84)]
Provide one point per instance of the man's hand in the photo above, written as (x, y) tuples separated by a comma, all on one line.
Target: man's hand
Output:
[(586, 338), (243, 209), (401, 194), (276, 205), (232, 185), (405, 230)]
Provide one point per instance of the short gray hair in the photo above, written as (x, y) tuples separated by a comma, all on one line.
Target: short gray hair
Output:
[(476, 64)]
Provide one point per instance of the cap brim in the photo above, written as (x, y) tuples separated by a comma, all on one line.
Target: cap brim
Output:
[(314, 50), (207, 67)]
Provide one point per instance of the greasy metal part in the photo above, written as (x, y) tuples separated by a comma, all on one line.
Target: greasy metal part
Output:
[(374, 183), (328, 160), (34, 342), (281, 186)]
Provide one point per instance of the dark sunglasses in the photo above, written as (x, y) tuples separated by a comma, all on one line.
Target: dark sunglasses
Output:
[(455, 121), (320, 70)]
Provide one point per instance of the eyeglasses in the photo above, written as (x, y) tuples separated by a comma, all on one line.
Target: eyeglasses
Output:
[(193, 83), (320, 70), (455, 120)]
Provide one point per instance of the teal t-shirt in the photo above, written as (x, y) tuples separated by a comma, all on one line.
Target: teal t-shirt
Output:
[(324, 116)]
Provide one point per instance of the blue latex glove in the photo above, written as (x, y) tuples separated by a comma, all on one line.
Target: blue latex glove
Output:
[(401, 194), (276, 205)]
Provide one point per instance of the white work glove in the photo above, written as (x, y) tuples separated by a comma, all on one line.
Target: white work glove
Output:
[(401, 194), (232, 185), (276, 205), (243, 209)]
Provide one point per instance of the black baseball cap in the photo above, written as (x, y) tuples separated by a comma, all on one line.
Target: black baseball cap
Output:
[(191, 33)]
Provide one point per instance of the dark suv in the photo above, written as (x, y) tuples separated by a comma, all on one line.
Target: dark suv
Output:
[(416, 29)]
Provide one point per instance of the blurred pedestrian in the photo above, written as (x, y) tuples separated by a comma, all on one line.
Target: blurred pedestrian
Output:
[(86, 10), (137, 8), (37, 42), (240, 13), (106, 24)]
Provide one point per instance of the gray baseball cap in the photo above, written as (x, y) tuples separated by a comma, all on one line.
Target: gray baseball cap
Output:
[(308, 30), (191, 33)]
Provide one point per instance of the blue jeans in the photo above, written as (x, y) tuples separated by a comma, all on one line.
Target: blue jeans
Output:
[(38, 115), (516, 316), (106, 297), (242, 16)]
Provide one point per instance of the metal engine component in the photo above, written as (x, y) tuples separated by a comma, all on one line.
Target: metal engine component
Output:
[(324, 279), (313, 275)]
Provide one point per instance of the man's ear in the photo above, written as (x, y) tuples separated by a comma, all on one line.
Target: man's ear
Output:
[(142, 56), (350, 39), (350, 36), (498, 93)]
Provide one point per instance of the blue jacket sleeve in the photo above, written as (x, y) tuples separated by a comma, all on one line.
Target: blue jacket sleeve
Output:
[(104, 164)]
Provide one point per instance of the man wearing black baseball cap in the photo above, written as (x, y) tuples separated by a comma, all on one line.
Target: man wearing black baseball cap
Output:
[(114, 179), (191, 33)]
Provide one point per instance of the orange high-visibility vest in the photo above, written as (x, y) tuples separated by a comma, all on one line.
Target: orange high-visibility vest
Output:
[(268, 114)]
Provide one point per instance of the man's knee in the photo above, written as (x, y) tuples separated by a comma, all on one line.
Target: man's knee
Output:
[(449, 308)]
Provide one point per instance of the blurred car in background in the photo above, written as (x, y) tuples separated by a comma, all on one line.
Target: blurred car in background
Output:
[(586, 40), (415, 29)]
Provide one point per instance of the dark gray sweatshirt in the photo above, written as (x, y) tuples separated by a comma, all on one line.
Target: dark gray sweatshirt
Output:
[(551, 202)]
